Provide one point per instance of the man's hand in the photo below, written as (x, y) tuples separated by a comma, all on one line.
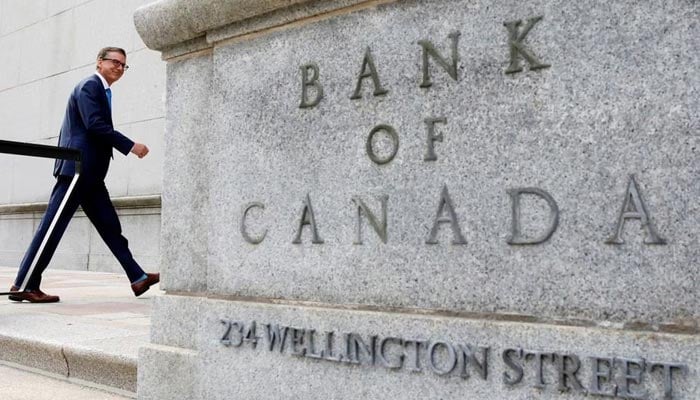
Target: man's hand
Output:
[(140, 150)]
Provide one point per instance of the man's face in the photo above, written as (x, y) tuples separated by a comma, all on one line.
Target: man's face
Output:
[(111, 67)]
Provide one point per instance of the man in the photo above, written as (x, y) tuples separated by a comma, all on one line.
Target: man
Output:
[(87, 126)]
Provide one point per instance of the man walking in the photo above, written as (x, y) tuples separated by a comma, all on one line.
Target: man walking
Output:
[(87, 126)]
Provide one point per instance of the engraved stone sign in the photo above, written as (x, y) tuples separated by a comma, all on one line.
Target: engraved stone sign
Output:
[(428, 199)]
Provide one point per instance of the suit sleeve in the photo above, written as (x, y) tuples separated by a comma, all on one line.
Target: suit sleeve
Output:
[(93, 115)]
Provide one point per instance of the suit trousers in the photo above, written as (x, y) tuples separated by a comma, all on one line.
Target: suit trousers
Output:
[(94, 199)]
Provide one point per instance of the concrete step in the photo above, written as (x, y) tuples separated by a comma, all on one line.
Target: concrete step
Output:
[(18, 383), (91, 337)]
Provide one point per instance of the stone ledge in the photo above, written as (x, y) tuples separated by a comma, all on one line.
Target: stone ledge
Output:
[(178, 27), (152, 201), (168, 22), (85, 366)]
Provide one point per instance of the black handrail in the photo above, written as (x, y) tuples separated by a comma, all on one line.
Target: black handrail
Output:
[(40, 150)]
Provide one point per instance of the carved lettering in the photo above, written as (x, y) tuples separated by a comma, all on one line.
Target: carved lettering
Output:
[(601, 377), (415, 355), (516, 237), (329, 348), (432, 137), (368, 70), (451, 362), (275, 337), (382, 353), (539, 366), (307, 218), (235, 329), (611, 377), (244, 231), (356, 346), (311, 345), (667, 370), (515, 376), (226, 338), (298, 343), (515, 43), (446, 203), (633, 208), (568, 366), (250, 336), (394, 141), (632, 374), (450, 67), (469, 358), (380, 228), (306, 82)]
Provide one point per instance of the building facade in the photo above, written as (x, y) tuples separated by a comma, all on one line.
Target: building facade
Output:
[(49, 46)]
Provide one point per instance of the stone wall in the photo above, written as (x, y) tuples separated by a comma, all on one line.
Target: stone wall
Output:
[(427, 199), (48, 46)]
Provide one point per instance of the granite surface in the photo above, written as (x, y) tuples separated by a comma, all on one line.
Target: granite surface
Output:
[(503, 207), (169, 22), (618, 100), (184, 214), (392, 355)]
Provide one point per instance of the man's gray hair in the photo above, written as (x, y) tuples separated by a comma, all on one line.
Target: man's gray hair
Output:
[(106, 50)]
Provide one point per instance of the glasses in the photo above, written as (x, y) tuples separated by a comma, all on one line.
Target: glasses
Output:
[(116, 63)]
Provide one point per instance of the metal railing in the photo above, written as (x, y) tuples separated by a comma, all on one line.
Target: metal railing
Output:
[(42, 151)]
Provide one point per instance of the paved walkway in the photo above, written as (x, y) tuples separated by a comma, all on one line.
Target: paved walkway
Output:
[(92, 335)]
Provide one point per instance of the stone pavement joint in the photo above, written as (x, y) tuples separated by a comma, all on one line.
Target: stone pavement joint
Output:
[(92, 335)]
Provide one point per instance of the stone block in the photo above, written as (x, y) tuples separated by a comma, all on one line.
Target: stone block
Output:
[(174, 319), (160, 364), (185, 187), (349, 354), (576, 130), (486, 201)]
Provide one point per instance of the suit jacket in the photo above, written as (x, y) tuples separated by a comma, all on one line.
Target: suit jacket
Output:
[(87, 126)]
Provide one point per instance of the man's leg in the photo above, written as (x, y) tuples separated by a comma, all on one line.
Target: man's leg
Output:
[(99, 209), (59, 191)]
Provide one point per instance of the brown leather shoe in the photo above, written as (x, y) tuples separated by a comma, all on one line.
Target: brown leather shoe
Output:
[(141, 287), (32, 296)]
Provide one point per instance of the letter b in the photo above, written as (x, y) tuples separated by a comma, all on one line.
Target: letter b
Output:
[(307, 81)]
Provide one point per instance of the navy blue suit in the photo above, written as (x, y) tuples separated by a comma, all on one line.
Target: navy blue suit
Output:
[(87, 126)]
